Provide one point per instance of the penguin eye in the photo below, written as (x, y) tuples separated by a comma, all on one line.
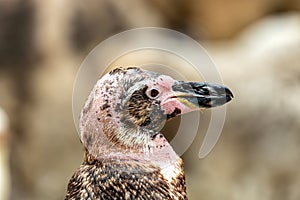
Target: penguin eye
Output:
[(153, 93)]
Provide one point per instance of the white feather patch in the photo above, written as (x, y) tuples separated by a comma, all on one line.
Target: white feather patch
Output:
[(170, 172)]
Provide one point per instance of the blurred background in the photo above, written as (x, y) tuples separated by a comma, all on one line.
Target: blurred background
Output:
[(255, 45)]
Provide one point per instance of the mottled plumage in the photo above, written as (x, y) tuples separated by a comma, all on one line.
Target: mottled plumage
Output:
[(126, 156), (122, 179)]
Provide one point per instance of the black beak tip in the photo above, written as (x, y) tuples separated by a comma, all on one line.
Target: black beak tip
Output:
[(229, 95)]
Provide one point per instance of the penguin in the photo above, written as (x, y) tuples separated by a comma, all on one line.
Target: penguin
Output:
[(126, 156)]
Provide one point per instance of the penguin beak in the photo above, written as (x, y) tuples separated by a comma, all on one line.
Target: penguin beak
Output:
[(197, 95)]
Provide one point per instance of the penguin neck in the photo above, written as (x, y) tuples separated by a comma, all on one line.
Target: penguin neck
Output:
[(120, 142)]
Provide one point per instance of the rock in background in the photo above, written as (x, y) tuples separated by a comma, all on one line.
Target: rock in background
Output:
[(4, 156), (258, 153)]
